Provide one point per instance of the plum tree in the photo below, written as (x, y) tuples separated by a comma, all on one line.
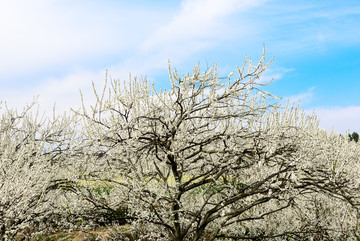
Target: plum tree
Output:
[(243, 167)]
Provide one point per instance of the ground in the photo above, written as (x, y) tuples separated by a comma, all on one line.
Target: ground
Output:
[(102, 233)]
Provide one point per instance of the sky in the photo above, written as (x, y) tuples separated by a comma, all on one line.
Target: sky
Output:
[(54, 48)]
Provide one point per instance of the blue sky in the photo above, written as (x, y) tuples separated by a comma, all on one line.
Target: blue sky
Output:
[(53, 48)]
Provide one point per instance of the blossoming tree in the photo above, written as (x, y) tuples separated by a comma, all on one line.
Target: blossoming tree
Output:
[(217, 158)]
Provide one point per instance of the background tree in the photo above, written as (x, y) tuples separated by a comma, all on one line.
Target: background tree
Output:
[(354, 136), (31, 151)]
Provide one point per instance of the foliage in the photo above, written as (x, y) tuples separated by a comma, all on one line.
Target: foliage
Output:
[(354, 137), (213, 158)]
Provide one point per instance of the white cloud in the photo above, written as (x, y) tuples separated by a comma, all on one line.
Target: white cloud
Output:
[(52, 34), (62, 91), (341, 119)]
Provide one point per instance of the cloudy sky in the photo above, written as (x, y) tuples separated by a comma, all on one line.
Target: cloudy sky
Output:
[(53, 48)]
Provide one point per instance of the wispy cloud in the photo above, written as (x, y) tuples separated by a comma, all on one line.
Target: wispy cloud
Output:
[(274, 74), (317, 25), (196, 27), (303, 98)]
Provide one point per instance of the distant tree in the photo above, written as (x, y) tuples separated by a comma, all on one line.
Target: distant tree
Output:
[(354, 137), (30, 150)]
